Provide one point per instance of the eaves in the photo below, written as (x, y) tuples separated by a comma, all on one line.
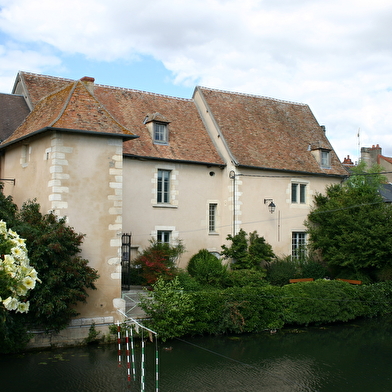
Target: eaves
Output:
[(67, 130)]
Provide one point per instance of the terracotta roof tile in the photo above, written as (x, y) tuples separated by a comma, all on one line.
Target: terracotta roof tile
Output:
[(72, 107), (269, 133)]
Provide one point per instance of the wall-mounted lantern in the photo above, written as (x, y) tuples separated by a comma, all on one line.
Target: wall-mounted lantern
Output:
[(270, 204)]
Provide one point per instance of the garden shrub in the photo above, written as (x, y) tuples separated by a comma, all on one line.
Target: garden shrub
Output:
[(247, 252), (170, 308), (246, 277), (207, 269), (280, 271), (313, 269), (158, 261), (248, 309)]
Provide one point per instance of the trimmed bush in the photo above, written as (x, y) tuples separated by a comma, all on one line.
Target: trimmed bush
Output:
[(246, 277), (207, 269)]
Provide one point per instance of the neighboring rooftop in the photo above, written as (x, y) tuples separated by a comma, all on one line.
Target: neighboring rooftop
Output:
[(13, 110)]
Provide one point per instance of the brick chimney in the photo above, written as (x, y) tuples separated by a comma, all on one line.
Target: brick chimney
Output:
[(89, 83), (347, 161)]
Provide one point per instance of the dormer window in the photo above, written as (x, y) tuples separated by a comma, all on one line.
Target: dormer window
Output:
[(158, 126), (160, 133), (325, 158), (322, 155)]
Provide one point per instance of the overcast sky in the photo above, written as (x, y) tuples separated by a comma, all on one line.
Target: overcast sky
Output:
[(335, 56)]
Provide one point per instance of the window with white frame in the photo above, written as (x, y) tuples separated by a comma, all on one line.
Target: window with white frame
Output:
[(163, 236), (212, 209), (161, 135), (325, 158), (163, 186), (298, 245), (298, 192)]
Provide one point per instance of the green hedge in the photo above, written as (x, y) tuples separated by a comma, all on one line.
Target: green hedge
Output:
[(254, 309)]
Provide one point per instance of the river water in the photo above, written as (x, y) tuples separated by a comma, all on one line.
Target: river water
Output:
[(341, 358)]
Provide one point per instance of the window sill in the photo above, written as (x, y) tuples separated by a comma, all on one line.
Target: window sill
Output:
[(164, 206), (213, 233)]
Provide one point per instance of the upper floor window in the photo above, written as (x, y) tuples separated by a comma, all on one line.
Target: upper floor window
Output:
[(163, 186), (298, 193), (212, 217), (161, 133)]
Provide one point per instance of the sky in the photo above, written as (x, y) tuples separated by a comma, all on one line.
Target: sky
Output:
[(335, 56)]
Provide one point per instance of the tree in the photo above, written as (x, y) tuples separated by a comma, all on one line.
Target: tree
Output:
[(351, 225), (53, 249), (247, 253)]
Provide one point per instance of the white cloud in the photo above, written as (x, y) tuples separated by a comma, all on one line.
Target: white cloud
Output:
[(334, 56)]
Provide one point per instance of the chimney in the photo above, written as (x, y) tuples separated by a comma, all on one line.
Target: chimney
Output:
[(89, 83)]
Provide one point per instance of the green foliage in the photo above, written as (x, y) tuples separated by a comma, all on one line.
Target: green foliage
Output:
[(175, 312), (247, 253), (188, 282), (158, 261), (246, 277), (350, 225), (170, 308), (53, 250), (281, 270), (207, 269)]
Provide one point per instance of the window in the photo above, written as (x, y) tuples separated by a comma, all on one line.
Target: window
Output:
[(160, 133), (212, 217), (325, 158), (298, 245), (163, 188), (163, 236), (298, 193)]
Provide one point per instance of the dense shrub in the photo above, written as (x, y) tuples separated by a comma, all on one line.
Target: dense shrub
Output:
[(207, 269), (280, 271), (158, 261), (246, 277), (254, 309), (170, 308), (247, 252), (313, 269)]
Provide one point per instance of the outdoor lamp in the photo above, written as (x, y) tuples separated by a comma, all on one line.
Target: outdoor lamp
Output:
[(271, 205)]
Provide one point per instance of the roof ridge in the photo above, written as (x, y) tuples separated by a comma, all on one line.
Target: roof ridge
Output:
[(109, 86), (253, 95)]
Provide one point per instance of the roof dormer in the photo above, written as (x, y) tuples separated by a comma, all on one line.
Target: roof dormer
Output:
[(158, 125)]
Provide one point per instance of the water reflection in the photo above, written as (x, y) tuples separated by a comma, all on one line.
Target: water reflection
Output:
[(353, 357)]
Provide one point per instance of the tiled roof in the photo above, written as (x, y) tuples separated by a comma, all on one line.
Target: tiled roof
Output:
[(72, 107), (269, 133), (188, 139), (13, 110)]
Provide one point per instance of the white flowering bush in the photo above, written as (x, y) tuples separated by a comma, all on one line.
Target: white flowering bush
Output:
[(17, 277)]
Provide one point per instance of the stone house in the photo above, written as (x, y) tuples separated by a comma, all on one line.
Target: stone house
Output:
[(115, 161)]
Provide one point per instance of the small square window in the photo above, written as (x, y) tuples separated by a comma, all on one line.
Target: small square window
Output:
[(163, 236), (161, 133)]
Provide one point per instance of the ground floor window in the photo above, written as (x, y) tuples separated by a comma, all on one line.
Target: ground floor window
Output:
[(163, 236), (298, 245)]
